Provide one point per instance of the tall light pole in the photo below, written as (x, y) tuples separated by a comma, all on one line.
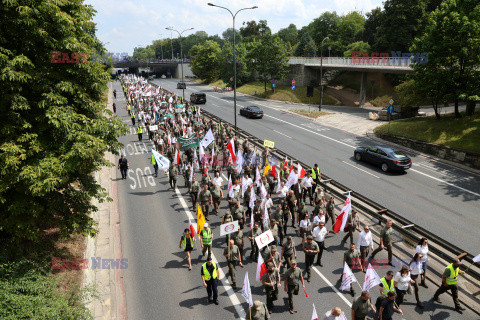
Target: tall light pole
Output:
[(181, 55), (234, 60), (321, 75)]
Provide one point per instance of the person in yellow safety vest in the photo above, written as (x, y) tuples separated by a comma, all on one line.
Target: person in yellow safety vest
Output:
[(210, 279), (186, 243), (194, 109), (207, 237), (449, 282), (132, 115), (128, 107), (316, 176), (387, 285), (139, 132), (220, 126), (155, 165)]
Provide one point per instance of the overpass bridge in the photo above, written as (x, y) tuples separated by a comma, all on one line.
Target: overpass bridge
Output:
[(158, 66)]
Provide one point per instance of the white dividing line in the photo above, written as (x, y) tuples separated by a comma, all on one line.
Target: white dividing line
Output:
[(360, 169), (447, 183), (226, 284), (349, 304), (283, 134)]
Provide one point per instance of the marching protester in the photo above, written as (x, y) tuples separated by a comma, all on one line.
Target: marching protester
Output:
[(292, 276), (271, 282), (422, 248), (364, 243), (232, 253), (210, 279), (402, 281), (319, 234), (416, 270), (450, 282), (186, 243), (123, 165), (361, 305), (385, 241)]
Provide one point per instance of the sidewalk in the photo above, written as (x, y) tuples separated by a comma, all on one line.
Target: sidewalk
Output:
[(109, 283)]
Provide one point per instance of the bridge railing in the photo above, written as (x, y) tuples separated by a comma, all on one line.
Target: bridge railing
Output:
[(347, 61)]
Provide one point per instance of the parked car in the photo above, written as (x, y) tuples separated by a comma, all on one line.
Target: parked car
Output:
[(252, 112), (198, 97), (386, 157), (164, 76), (181, 85)]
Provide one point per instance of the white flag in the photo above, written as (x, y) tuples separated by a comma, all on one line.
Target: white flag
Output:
[(257, 178), (476, 259), (314, 313), (292, 179), (244, 185), (163, 162), (279, 184), (253, 198), (263, 192), (371, 279), (213, 154), (259, 267), (347, 278), (191, 174), (195, 159), (246, 290), (342, 316), (208, 139), (254, 156), (239, 161), (201, 152), (230, 186), (265, 217)]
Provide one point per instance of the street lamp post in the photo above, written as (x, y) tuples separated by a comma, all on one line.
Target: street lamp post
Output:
[(321, 75), (234, 60), (181, 56)]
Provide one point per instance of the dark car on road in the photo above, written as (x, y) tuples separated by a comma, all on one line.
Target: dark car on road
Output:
[(181, 85), (198, 97), (386, 157), (252, 112)]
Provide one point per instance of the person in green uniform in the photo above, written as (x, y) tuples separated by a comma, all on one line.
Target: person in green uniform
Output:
[(217, 196), (330, 208), (301, 212), (271, 281), (292, 276), (238, 213), (278, 216), (292, 202), (258, 312), (255, 232), (233, 257), (361, 305), (238, 239), (288, 251), (172, 175), (186, 243), (353, 224), (385, 241), (207, 238), (274, 256), (274, 228), (449, 282), (352, 258), (311, 249), (205, 200), (194, 188)]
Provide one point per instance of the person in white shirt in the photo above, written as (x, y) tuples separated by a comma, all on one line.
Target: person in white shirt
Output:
[(334, 314), (307, 182), (416, 270), (218, 180), (283, 191), (320, 217), (422, 248), (402, 280), (304, 227), (319, 234), (267, 202), (364, 243)]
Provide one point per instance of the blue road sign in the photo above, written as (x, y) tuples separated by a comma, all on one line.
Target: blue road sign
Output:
[(274, 85), (390, 109), (293, 87)]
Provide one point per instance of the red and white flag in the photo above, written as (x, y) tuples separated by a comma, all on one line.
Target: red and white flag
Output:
[(169, 139), (314, 313), (274, 172), (301, 171), (371, 279), (230, 187), (347, 278), (285, 164), (261, 269), (192, 229), (231, 149), (195, 159), (342, 218), (213, 155), (177, 157)]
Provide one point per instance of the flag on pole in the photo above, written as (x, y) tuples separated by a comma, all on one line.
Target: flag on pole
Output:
[(244, 185), (476, 259), (347, 278), (267, 167), (292, 179), (191, 174), (254, 156), (371, 279), (169, 139), (247, 291), (239, 161), (177, 157), (257, 178), (301, 171), (342, 218), (195, 159), (314, 314), (230, 186), (266, 218), (279, 185), (192, 229), (231, 149), (274, 172), (253, 198), (213, 154), (200, 220), (285, 164), (263, 192), (261, 269), (208, 139)]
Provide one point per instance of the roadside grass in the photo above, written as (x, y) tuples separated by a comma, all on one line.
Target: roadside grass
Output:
[(312, 114), (462, 133)]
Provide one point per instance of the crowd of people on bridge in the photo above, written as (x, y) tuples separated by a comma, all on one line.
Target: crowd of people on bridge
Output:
[(262, 192)]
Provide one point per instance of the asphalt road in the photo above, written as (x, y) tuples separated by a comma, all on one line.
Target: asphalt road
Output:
[(158, 284), (438, 197)]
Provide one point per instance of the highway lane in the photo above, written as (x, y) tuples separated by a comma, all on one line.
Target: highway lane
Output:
[(157, 282), (432, 194)]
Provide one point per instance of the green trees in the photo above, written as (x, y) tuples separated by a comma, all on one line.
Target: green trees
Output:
[(53, 129), (206, 60), (452, 39), (357, 46), (226, 64)]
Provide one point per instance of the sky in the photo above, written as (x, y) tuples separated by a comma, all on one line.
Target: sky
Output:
[(123, 25)]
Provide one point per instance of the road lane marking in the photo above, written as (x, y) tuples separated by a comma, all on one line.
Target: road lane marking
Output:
[(361, 169), (443, 181), (349, 304), (226, 284), (283, 134)]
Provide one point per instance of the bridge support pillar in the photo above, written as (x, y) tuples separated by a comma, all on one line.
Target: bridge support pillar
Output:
[(363, 89)]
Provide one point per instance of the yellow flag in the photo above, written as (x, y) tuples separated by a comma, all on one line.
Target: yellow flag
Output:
[(200, 220), (267, 167)]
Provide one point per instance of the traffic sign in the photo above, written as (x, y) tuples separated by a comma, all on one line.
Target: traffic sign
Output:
[(229, 227), (264, 239), (293, 82), (293, 87), (391, 101), (269, 144), (273, 81), (390, 109), (274, 85)]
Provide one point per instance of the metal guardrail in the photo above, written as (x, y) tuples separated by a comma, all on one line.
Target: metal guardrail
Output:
[(403, 226), (386, 62)]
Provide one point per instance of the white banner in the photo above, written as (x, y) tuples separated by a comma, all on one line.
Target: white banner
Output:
[(266, 218), (244, 185), (246, 290), (153, 128), (208, 139), (229, 227), (371, 279), (163, 163), (264, 239), (347, 278), (292, 179)]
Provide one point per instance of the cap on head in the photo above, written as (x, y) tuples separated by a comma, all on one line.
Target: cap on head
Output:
[(293, 262), (309, 238), (257, 305), (315, 165), (209, 259), (289, 238), (303, 203), (205, 225), (273, 247), (456, 261)]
